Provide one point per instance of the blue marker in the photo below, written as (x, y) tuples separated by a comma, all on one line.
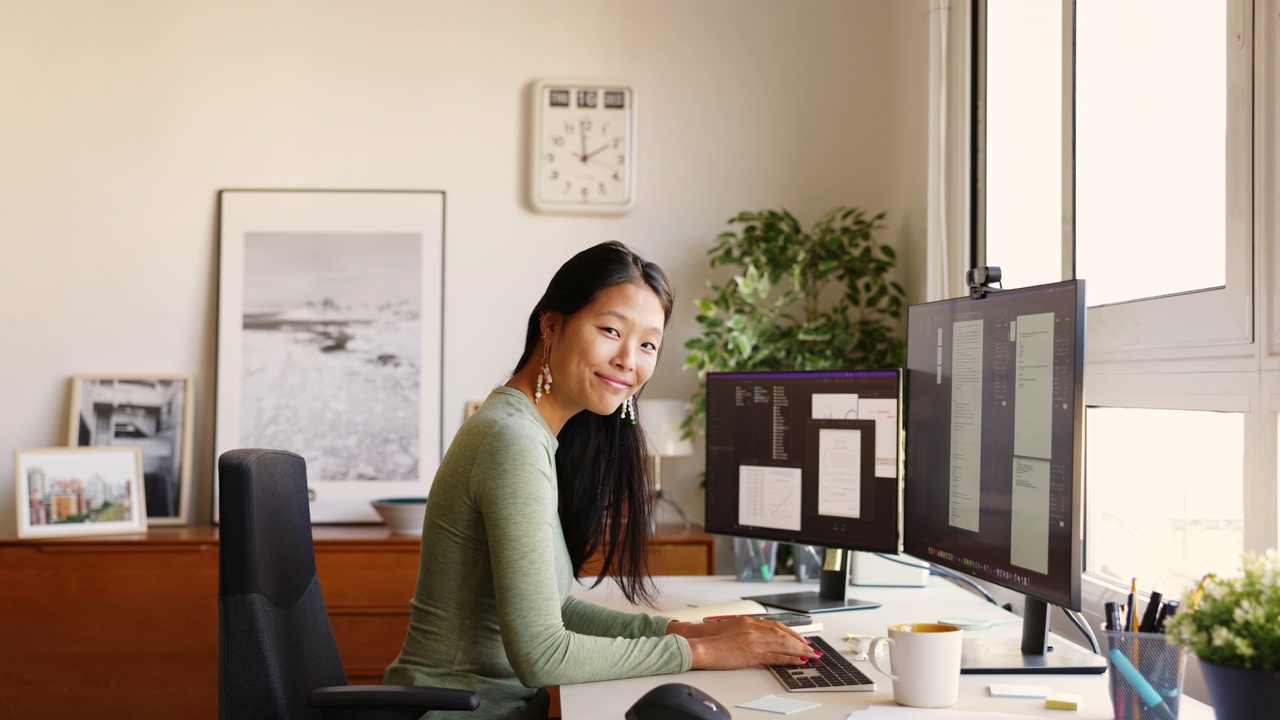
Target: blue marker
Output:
[(1146, 693)]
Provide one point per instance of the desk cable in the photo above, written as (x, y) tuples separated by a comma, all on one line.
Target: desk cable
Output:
[(940, 571), (946, 573), (1084, 629)]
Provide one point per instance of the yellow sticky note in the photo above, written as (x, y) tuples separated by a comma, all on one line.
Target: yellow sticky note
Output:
[(1063, 701), (834, 560)]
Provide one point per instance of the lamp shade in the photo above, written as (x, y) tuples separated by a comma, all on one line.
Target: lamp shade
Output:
[(661, 422)]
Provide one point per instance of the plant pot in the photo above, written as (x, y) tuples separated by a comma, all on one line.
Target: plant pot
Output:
[(1240, 694)]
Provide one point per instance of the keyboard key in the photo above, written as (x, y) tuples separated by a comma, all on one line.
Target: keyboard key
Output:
[(832, 671)]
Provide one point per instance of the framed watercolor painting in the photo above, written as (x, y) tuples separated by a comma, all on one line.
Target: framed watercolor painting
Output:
[(151, 412), (330, 314), (64, 492)]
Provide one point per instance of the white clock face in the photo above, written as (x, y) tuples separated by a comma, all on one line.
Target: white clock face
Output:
[(583, 148)]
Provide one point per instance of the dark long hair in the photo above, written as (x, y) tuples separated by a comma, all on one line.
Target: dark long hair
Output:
[(602, 463)]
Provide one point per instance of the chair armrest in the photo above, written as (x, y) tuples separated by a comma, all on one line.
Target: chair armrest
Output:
[(334, 700)]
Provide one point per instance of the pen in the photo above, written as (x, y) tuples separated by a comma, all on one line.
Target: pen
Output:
[(1146, 693), (1153, 610), (1168, 611), (1131, 617), (1195, 599), (1113, 616)]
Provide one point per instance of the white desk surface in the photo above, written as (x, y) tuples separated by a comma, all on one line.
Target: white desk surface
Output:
[(590, 701)]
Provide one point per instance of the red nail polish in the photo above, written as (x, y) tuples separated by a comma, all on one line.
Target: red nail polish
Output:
[(818, 653)]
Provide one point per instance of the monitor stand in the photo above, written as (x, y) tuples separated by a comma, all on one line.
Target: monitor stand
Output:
[(833, 584), (1034, 655)]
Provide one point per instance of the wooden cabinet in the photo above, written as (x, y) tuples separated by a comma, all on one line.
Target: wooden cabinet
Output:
[(127, 627)]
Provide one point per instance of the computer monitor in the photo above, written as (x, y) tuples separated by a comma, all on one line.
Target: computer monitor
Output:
[(807, 457), (994, 448)]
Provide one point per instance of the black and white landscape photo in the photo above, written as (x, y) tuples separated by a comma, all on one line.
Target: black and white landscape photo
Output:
[(332, 350)]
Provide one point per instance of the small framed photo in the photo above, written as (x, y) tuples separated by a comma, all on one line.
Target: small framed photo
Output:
[(64, 492), (152, 413)]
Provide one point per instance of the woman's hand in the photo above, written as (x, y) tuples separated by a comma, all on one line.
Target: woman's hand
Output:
[(743, 642)]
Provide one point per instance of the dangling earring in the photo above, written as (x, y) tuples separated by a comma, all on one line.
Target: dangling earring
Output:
[(544, 376), (629, 406)]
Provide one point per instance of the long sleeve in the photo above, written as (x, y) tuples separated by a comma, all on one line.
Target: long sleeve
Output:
[(590, 619), (492, 611), (516, 493)]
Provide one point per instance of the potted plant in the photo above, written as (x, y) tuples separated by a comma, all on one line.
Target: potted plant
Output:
[(803, 299), (1233, 625), (806, 299)]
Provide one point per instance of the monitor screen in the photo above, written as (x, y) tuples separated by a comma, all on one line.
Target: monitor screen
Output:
[(995, 445), (994, 420), (806, 457)]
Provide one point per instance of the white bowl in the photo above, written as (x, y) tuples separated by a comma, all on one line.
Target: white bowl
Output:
[(403, 515)]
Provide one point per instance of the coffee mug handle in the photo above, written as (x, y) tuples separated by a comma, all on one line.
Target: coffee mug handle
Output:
[(873, 652)]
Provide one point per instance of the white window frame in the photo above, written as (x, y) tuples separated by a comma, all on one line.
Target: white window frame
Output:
[(1217, 321), (1215, 349)]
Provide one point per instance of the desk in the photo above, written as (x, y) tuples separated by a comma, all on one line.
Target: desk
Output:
[(942, 597)]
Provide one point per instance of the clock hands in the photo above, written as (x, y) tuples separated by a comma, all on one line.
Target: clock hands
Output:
[(595, 152), (583, 126)]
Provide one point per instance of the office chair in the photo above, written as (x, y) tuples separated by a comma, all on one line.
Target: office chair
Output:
[(277, 657)]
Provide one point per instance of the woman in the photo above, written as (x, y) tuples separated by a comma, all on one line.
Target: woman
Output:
[(548, 471)]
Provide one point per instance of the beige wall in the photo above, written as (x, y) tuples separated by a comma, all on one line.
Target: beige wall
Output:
[(120, 121)]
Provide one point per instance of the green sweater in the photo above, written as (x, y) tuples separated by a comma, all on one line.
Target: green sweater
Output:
[(492, 611)]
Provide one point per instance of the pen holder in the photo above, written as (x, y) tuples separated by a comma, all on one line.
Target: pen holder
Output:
[(808, 562), (1145, 675), (755, 560)]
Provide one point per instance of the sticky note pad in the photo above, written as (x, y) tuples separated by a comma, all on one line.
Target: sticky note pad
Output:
[(1063, 701), (782, 706), (1014, 690)]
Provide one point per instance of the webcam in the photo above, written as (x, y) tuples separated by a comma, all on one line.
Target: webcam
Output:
[(979, 280)]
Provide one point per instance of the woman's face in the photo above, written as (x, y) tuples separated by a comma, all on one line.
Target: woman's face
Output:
[(605, 352)]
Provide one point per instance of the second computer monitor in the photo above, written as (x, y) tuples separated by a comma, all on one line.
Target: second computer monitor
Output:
[(995, 439), (807, 457)]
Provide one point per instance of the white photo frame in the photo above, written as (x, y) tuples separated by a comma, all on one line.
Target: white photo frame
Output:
[(68, 492), (151, 412), (330, 325)]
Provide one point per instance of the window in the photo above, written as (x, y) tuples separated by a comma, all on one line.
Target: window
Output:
[(1165, 494), (1151, 142), (1024, 143), (1116, 142)]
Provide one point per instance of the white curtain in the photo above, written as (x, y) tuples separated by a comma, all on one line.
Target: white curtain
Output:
[(947, 245)]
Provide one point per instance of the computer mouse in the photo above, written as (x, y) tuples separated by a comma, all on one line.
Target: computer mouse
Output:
[(677, 701)]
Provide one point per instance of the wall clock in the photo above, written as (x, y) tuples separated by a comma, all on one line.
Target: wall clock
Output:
[(582, 147)]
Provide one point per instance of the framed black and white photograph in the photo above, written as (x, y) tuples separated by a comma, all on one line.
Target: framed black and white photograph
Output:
[(152, 413), (330, 314), (66, 492)]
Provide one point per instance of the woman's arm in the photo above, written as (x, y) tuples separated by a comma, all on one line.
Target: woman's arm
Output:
[(585, 617), (513, 485)]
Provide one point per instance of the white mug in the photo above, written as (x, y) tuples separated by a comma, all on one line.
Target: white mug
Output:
[(926, 658)]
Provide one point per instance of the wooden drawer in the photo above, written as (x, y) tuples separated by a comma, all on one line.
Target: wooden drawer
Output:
[(111, 628), (672, 552), (127, 627)]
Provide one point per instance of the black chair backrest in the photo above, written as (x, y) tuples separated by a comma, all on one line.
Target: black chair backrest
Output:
[(275, 643)]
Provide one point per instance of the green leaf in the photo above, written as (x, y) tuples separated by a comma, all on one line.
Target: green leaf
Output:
[(777, 313)]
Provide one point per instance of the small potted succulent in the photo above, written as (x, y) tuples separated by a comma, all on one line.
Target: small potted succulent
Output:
[(1233, 625)]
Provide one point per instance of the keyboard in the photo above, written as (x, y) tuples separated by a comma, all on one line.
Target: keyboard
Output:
[(830, 673)]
